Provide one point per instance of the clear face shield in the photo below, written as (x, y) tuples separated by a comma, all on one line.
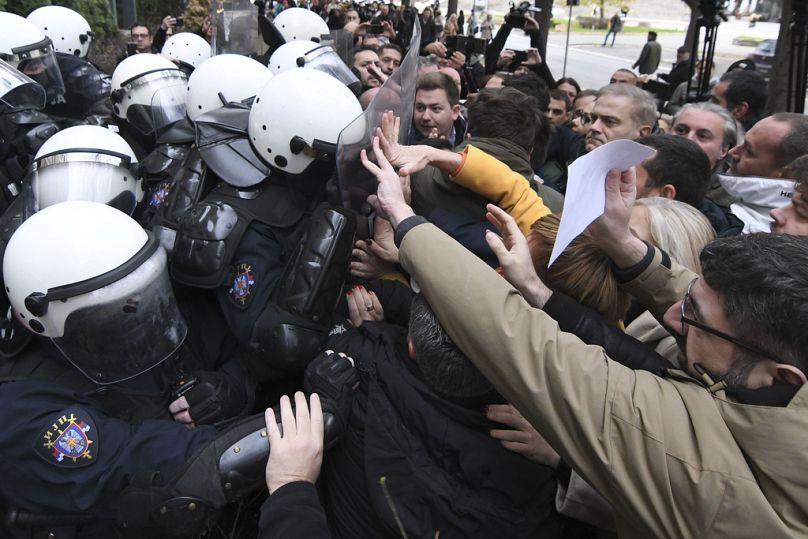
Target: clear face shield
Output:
[(397, 94), (97, 176), (234, 28), (18, 92), (38, 61), (127, 327), (168, 107), (327, 60), (137, 96)]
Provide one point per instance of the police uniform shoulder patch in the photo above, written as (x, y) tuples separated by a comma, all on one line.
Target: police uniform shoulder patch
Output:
[(69, 440), (241, 285), (159, 194)]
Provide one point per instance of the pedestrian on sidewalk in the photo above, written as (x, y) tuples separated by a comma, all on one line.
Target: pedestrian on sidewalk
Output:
[(615, 25), (648, 62)]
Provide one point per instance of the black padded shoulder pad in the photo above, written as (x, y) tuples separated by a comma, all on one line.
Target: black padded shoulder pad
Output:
[(206, 242)]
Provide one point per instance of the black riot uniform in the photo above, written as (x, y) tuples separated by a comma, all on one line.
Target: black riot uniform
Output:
[(275, 254), (76, 451)]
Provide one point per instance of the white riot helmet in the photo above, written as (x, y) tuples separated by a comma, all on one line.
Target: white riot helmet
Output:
[(310, 55), (135, 84), (300, 24), (186, 49), (91, 279), (68, 30), (292, 123), (84, 162), (25, 47), (286, 56), (233, 76)]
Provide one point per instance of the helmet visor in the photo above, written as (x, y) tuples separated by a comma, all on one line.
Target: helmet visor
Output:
[(141, 93), (108, 178), (127, 327), (18, 91), (327, 60), (168, 106), (39, 63)]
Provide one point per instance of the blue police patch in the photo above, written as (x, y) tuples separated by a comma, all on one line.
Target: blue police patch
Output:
[(70, 440), (159, 195), (242, 285)]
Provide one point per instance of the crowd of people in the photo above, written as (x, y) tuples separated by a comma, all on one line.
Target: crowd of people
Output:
[(244, 298)]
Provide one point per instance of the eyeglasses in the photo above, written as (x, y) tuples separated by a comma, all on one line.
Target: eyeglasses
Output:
[(687, 309), (585, 117)]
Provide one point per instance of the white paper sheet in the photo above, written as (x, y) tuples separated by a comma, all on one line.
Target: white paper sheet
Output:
[(585, 199)]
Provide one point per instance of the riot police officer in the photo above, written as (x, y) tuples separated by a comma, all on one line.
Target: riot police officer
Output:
[(89, 429)]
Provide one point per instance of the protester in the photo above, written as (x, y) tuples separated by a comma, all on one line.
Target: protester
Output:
[(606, 420)]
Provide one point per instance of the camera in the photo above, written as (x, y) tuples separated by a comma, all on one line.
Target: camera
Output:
[(179, 21), (466, 45), (516, 14)]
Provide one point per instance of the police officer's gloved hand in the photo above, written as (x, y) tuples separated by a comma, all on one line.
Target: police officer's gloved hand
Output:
[(334, 378), (215, 397)]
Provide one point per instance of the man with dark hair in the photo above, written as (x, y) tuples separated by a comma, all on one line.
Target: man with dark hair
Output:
[(697, 452), (390, 56), (756, 177), (417, 460), (624, 76), (142, 37), (367, 67), (679, 170), (558, 113), (437, 110), (743, 93), (531, 84), (505, 124), (680, 71), (651, 53), (771, 145)]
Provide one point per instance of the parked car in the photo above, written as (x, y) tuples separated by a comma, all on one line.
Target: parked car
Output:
[(763, 56)]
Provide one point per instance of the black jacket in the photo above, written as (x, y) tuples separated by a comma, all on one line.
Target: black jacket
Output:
[(413, 462)]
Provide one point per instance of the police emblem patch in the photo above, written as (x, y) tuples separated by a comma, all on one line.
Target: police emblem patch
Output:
[(70, 440), (242, 284), (159, 195)]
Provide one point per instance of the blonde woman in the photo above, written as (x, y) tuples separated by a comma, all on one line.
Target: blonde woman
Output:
[(680, 230)]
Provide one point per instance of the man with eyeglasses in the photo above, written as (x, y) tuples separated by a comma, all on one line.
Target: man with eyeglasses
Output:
[(714, 450)]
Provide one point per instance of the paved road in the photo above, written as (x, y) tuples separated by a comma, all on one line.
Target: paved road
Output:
[(592, 65)]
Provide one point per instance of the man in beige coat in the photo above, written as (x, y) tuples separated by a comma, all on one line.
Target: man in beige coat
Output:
[(715, 450)]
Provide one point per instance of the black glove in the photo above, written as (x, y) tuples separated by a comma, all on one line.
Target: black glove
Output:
[(334, 378), (214, 398)]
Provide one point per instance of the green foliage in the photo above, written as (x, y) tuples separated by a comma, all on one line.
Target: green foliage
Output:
[(24, 7), (96, 12), (152, 12)]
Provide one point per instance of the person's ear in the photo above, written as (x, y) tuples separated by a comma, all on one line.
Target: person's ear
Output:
[(740, 110), (644, 131), (789, 374), (668, 191), (455, 111)]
